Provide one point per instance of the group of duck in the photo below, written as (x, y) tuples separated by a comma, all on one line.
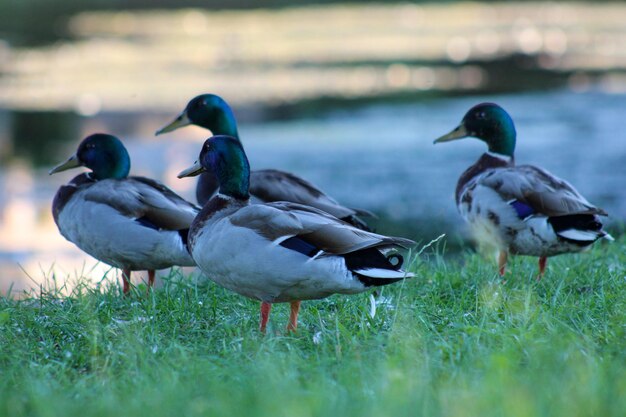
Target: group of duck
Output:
[(272, 236)]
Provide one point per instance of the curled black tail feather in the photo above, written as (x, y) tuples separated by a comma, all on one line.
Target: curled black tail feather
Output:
[(583, 222), (396, 259), (373, 258)]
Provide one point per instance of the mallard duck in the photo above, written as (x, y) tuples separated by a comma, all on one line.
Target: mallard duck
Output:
[(213, 113), (523, 210), (131, 223), (281, 251)]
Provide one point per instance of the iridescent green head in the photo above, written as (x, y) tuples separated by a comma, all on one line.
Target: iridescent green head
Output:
[(489, 123), (208, 111), (225, 157), (104, 154)]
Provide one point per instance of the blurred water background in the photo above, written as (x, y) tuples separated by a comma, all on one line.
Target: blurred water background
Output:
[(349, 96)]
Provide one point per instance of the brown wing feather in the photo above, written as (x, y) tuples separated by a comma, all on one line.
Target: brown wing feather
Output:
[(540, 189), (268, 221), (139, 197), (279, 220), (271, 185)]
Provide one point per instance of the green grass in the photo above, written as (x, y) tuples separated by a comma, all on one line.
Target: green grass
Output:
[(454, 342)]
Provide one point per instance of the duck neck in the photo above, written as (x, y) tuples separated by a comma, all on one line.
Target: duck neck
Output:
[(236, 184), (504, 146), (227, 126), (232, 169), (110, 165), (500, 137), (223, 122)]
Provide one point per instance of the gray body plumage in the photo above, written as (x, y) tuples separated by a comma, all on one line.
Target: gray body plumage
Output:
[(239, 246), (485, 199), (132, 223)]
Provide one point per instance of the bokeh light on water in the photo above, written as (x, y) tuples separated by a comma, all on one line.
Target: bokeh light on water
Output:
[(349, 97), (148, 60)]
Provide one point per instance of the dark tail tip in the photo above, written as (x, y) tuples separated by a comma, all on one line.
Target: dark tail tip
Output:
[(357, 222)]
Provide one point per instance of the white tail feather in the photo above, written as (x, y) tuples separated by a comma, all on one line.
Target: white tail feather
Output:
[(580, 235), (383, 273)]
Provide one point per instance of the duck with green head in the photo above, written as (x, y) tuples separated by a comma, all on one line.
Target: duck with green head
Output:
[(131, 223), (213, 113), (280, 251), (521, 209)]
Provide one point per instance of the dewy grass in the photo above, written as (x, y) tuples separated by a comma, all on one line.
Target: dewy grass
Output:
[(455, 341)]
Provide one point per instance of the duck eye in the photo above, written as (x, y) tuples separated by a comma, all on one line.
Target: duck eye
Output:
[(482, 115)]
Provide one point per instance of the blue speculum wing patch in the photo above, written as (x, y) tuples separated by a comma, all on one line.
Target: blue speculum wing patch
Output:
[(523, 210), (147, 223), (299, 245)]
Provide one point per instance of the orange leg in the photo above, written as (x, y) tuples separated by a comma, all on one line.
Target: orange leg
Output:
[(265, 315), (542, 267), (126, 280), (293, 316), (151, 274), (502, 257)]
